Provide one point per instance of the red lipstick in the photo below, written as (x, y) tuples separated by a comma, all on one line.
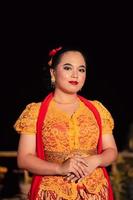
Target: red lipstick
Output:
[(73, 82)]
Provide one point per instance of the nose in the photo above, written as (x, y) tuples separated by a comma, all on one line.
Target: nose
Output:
[(74, 73)]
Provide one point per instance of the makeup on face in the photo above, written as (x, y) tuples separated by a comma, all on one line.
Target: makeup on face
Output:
[(70, 73), (73, 82)]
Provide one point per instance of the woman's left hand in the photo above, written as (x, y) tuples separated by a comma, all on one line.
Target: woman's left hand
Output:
[(92, 163)]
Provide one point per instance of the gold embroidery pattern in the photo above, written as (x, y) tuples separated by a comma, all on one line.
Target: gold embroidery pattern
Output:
[(55, 133), (50, 195), (26, 123), (107, 120), (90, 187), (65, 136), (88, 129), (60, 157)]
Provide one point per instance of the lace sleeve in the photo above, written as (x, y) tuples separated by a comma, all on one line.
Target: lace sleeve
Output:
[(26, 123), (106, 117)]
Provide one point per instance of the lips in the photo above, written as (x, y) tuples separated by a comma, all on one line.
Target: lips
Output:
[(73, 82)]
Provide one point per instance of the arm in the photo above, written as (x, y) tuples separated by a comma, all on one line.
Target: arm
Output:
[(108, 155), (110, 151), (28, 160)]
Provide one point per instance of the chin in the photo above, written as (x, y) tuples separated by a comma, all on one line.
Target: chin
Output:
[(71, 91)]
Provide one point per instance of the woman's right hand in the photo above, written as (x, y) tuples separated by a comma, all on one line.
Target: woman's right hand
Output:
[(74, 165)]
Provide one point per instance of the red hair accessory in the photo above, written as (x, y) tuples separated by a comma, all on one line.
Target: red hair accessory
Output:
[(54, 51)]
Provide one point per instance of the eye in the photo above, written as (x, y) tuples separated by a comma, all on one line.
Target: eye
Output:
[(67, 68), (82, 70)]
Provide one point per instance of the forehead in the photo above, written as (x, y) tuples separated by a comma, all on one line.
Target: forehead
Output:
[(72, 57)]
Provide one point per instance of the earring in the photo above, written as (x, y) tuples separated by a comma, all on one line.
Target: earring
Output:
[(52, 82)]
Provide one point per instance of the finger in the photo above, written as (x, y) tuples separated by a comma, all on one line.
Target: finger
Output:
[(69, 178), (81, 160), (74, 179), (78, 169), (76, 172), (69, 174), (79, 180), (82, 170)]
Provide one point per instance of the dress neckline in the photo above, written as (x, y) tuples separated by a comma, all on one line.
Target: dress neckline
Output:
[(53, 103)]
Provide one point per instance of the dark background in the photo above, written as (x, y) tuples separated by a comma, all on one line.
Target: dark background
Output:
[(29, 31)]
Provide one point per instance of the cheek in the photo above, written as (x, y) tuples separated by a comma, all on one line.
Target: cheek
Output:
[(62, 76), (66, 75), (82, 78)]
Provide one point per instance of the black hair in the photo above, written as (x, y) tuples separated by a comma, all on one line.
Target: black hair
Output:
[(57, 57)]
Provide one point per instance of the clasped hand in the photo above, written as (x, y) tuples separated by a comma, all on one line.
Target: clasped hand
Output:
[(77, 167)]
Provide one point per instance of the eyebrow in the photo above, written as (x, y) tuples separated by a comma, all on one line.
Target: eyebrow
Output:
[(72, 65)]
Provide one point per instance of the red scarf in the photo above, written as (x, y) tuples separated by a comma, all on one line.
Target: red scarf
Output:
[(39, 144)]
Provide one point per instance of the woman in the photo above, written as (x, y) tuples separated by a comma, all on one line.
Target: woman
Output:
[(73, 142)]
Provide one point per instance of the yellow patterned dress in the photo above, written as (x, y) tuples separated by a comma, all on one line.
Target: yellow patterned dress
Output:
[(63, 136)]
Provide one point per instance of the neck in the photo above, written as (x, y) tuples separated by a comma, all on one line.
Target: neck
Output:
[(64, 98)]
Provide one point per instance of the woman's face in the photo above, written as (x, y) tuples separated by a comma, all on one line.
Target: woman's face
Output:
[(70, 73)]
